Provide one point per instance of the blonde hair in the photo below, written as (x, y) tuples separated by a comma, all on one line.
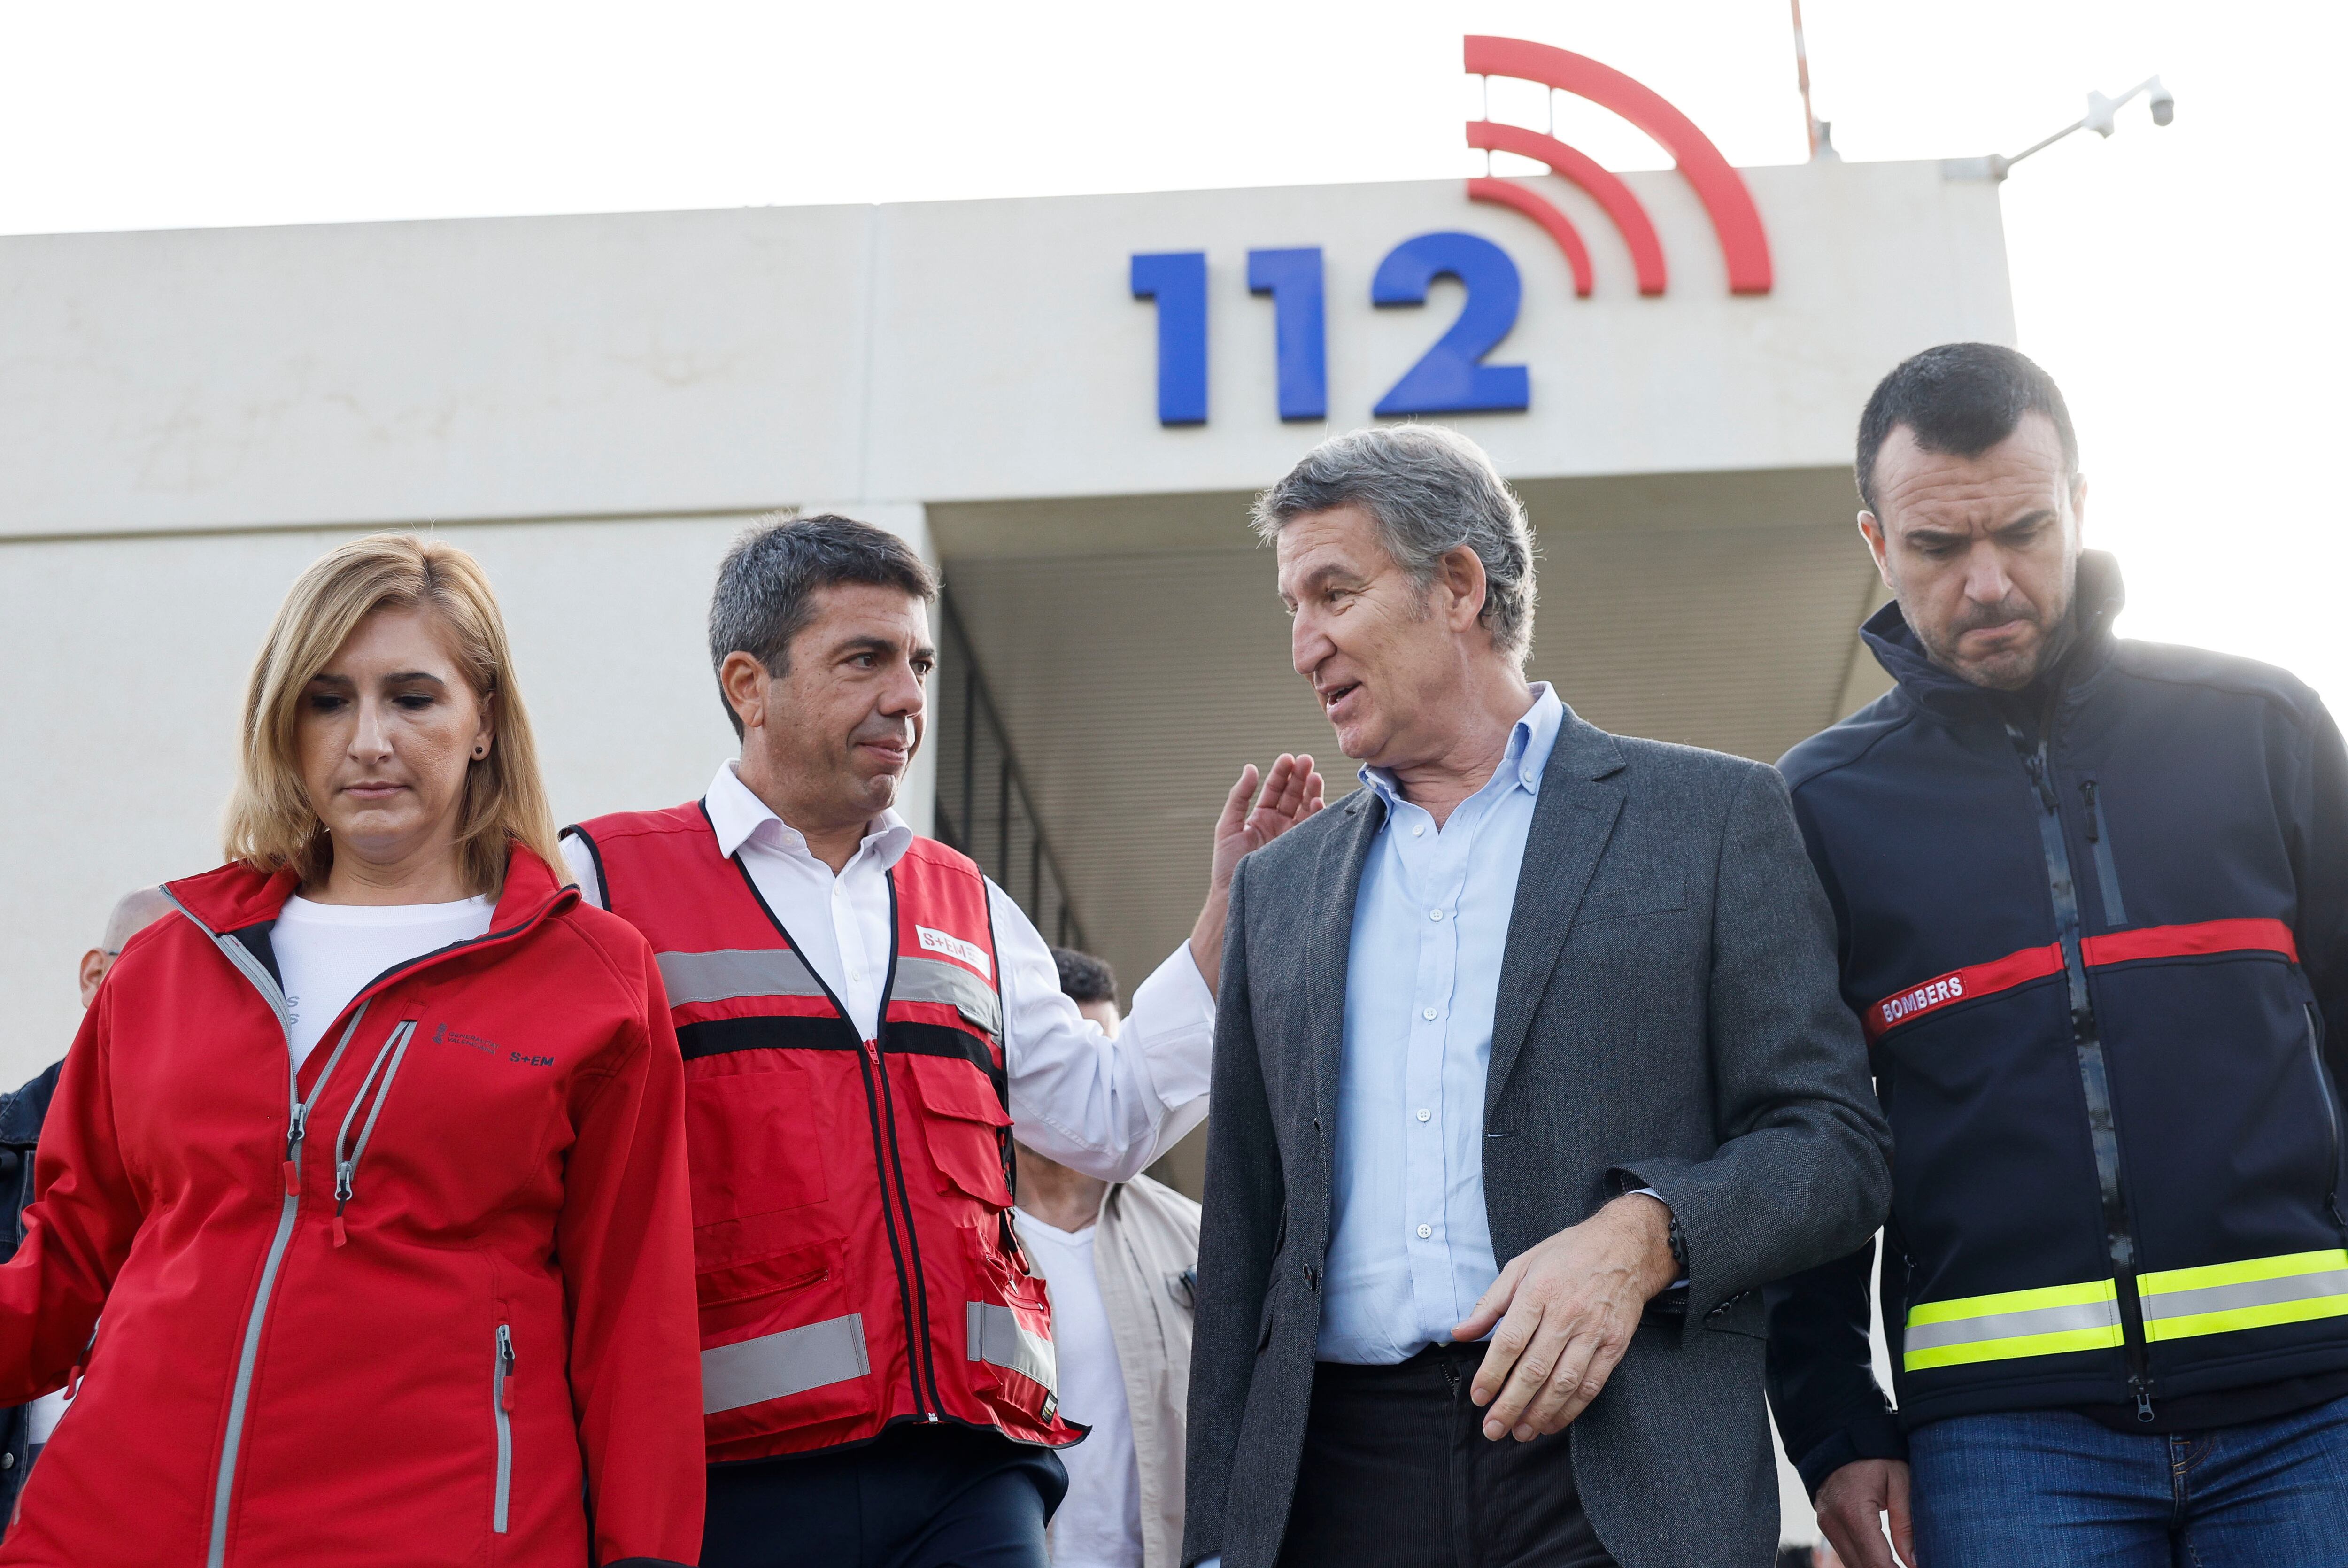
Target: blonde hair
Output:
[(271, 824)]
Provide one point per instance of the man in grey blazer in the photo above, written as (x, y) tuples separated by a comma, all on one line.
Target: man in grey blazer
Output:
[(1536, 1037)]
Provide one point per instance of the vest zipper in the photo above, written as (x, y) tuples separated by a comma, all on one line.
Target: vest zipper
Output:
[(868, 1060), (926, 1363), (503, 1404), (2086, 1042), (395, 1050)]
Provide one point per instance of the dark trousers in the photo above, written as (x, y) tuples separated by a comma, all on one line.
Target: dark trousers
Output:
[(1397, 1473), (938, 1496)]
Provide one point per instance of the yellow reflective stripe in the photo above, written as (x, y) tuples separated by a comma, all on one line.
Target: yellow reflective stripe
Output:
[(2243, 1273), (2256, 1292), (2011, 1301), (2048, 1321), (2107, 1339)]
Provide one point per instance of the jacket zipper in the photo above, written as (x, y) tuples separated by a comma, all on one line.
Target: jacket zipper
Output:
[(2099, 840), (503, 1404), (289, 1209), (2331, 1116), (394, 1050), (241, 959), (2086, 1042)]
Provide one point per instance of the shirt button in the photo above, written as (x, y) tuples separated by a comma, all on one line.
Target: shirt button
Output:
[(1419, 832), (1424, 1114), (1435, 914), (1425, 1231), (1428, 1014)]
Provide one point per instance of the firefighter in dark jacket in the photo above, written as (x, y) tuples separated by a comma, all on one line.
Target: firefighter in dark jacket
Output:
[(2093, 908)]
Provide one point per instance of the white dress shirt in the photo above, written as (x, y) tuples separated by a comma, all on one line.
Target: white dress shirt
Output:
[(1105, 1107)]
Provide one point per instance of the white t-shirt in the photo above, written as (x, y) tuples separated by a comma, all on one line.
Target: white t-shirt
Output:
[(1100, 1525), (327, 953)]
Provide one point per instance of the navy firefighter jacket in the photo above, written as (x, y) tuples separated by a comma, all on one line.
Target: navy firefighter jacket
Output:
[(2097, 934)]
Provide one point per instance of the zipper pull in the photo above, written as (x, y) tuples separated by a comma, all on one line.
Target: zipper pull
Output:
[(2095, 818), (2143, 1399), (295, 1131), (2034, 762), (342, 1196), (293, 1179), (506, 1362)]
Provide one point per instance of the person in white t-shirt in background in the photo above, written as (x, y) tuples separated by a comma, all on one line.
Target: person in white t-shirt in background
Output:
[(1121, 1262), (23, 1428)]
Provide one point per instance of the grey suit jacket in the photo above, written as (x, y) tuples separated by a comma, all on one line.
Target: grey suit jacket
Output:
[(1668, 1017)]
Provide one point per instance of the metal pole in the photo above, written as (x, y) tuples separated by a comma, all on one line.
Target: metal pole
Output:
[(1802, 73)]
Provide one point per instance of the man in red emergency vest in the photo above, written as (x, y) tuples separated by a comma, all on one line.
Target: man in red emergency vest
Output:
[(864, 1018)]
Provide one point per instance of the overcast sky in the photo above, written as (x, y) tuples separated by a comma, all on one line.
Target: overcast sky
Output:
[(2183, 284)]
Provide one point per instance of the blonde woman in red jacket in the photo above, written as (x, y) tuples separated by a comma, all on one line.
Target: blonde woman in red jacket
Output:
[(372, 1153)]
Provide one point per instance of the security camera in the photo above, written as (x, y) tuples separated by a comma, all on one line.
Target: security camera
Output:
[(2163, 103)]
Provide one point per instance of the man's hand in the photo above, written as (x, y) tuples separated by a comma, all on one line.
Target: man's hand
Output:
[(1851, 1506), (1292, 793), (1565, 1311)]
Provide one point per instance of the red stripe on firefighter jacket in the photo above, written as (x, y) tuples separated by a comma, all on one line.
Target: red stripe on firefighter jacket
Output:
[(850, 1197)]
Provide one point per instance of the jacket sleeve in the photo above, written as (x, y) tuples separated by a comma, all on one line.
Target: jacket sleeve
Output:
[(78, 1227), (625, 1241), (1801, 1172), (1237, 1243), (1821, 1371)]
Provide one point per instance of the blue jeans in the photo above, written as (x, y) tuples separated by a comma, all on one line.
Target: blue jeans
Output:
[(2054, 1488)]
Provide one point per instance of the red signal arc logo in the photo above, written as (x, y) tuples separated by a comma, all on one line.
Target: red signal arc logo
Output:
[(1735, 222)]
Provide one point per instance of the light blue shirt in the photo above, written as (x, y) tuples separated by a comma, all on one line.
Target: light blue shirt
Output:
[(1412, 1250)]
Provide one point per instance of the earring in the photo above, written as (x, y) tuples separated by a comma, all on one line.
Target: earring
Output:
[(480, 752)]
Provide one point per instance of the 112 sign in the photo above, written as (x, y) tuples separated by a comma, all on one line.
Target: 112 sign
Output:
[(1450, 378)]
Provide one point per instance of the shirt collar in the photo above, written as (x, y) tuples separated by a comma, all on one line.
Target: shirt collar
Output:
[(739, 817), (1526, 756)]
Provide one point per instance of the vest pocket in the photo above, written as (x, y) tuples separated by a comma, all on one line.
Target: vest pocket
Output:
[(963, 1123), (781, 1345), (1007, 1341), (752, 1120)]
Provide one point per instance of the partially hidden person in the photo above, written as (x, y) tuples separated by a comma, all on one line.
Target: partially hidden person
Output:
[(1121, 1262), (25, 1429)]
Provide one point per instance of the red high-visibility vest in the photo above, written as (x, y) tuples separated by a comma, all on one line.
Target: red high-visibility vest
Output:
[(851, 1241)]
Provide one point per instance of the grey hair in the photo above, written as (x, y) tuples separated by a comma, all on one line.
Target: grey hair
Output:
[(767, 582), (1432, 490), (133, 912)]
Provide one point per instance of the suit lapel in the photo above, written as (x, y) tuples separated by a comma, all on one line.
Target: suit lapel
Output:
[(1580, 800), (1336, 884)]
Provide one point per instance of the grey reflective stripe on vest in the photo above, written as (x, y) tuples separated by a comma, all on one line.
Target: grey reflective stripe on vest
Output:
[(2247, 1297), (935, 980), (729, 973), (996, 1336), (774, 1365)]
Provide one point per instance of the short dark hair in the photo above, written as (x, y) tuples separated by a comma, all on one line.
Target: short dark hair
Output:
[(767, 582), (1084, 977), (1961, 399)]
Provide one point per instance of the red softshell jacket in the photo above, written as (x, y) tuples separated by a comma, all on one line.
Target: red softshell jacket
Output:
[(857, 1268), (430, 1301)]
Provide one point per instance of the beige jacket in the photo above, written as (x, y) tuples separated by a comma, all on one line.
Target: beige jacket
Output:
[(1145, 1259)]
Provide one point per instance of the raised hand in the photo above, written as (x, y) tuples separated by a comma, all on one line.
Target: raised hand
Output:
[(1292, 791)]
